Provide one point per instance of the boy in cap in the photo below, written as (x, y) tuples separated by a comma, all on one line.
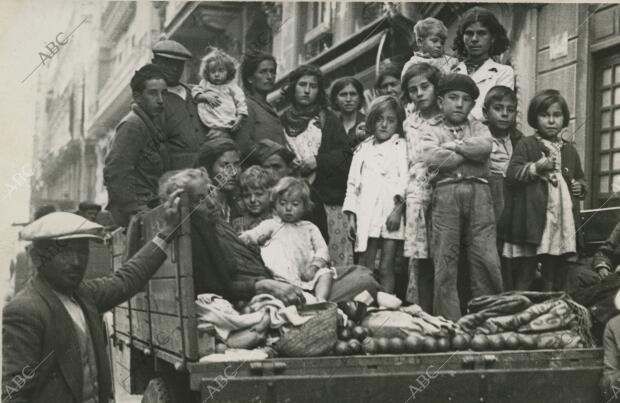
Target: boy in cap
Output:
[(463, 225), (54, 347), (181, 125)]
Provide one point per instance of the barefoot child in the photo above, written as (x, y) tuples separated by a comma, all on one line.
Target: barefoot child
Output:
[(293, 249), (221, 103), (255, 185), (430, 36), (374, 202), (546, 183), (419, 83), (462, 221), (500, 113)]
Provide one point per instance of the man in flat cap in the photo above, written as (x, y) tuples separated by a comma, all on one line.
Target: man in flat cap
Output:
[(183, 130), (457, 151), (134, 162), (53, 338)]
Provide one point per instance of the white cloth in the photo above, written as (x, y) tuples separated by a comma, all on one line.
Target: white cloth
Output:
[(289, 247), (444, 63), (378, 173), (306, 144), (486, 77), (232, 104)]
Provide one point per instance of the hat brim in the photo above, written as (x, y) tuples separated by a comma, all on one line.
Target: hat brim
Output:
[(173, 56)]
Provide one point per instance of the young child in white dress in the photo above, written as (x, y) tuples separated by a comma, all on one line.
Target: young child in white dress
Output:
[(221, 102), (430, 35), (374, 202), (293, 249)]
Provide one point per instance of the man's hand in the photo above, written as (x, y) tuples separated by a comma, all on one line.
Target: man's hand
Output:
[(287, 293), (450, 145), (209, 98), (171, 213)]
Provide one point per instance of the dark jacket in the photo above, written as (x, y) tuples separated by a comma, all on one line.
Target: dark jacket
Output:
[(134, 164), (222, 263), (37, 329), (608, 254), (524, 217), (333, 160), (352, 133), (262, 123), (184, 132)]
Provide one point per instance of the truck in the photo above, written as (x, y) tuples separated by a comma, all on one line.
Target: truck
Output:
[(157, 350)]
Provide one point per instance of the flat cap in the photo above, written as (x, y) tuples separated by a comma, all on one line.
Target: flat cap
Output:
[(457, 82), (61, 225), (265, 148), (171, 50)]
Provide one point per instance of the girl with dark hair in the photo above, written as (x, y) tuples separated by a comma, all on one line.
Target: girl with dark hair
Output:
[(346, 99), (258, 74), (547, 182), (479, 38), (319, 141)]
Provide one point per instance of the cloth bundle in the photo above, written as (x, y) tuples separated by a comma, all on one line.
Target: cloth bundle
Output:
[(406, 321), (267, 311), (557, 321)]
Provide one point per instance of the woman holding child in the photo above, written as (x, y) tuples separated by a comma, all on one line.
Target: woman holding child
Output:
[(479, 38), (319, 141)]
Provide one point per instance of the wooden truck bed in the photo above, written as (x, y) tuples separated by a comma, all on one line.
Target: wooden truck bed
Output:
[(160, 322)]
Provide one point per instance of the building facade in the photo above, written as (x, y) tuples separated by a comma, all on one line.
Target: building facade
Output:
[(574, 48)]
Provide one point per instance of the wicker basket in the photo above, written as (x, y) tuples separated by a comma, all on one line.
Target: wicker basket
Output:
[(315, 337)]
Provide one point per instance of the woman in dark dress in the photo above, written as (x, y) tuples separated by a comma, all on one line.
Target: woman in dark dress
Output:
[(318, 140), (347, 100)]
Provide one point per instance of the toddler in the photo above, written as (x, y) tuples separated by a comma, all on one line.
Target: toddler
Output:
[(430, 35), (255, 185), (221, 103), (293, 249), (374, 201)]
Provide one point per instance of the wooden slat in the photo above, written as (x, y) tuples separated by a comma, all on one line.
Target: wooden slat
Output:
[(121, 320), (165, 296)]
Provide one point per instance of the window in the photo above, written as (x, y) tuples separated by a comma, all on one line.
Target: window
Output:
[(318, 35), (607, 132)]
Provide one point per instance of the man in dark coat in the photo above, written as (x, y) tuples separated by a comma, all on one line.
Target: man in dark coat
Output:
[(54, 345), (134, 163), (181, 125)]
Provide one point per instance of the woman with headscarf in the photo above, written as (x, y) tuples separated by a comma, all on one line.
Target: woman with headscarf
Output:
[(479, 38), (258, 73), (220, 157), (318, 140), (347, 99)]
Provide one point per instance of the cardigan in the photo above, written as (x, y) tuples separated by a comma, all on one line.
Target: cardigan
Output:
[(333, 160), (523, 219)]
